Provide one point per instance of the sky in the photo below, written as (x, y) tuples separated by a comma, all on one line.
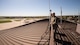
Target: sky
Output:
[(38, 7)]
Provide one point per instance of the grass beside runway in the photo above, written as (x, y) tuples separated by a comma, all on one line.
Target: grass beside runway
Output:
[(5, 21)]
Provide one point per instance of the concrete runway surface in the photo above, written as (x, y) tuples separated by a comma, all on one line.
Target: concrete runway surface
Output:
[(23, 35)]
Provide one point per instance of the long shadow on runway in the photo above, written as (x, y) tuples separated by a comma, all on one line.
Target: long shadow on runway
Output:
[(59, 40), (63, 42)]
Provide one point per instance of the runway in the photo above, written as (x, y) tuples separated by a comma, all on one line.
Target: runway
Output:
[(30, 34)]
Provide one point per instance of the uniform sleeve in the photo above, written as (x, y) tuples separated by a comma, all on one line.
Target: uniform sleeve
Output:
[(53, 20)]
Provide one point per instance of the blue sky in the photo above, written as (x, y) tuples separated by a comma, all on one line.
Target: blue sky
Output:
[(38, 7)]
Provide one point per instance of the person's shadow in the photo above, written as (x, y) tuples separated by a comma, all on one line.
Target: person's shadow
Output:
[(60, 40)]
